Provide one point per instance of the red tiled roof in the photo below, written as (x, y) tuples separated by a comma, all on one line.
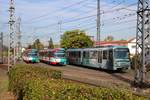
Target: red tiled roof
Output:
[(131, 39), (104, 43)]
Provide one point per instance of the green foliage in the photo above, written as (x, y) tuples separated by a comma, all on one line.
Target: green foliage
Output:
[(36, 83), (50, 44), (66, 90), (75, 39), (135, 62), (109, 38), (36, 45), (24, 80)]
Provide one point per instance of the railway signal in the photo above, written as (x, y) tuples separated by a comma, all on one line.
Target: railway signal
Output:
[(142, 41)]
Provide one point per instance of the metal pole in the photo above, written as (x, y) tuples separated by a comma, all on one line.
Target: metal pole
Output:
[(18, 33), (2, 47), (98, 21), (60, 26), (11, 51), (142, 37)]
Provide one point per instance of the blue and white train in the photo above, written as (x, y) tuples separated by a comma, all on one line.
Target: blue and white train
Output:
[(109, 58)]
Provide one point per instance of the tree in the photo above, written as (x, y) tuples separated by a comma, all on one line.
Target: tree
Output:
[(75, 39), (36, 45), (29, 46), (109, 38), (50, 44)]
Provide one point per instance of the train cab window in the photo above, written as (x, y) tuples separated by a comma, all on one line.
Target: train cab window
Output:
[(105, 54)]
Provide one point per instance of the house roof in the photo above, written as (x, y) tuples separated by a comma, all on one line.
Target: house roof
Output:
[(131, 39), (108, 43)]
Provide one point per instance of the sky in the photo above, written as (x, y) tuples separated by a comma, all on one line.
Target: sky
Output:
[(43, 19)]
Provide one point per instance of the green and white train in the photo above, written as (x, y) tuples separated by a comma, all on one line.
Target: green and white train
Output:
[(109, 58)]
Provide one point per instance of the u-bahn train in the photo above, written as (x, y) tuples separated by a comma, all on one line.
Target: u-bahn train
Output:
[(53, 56), (31, 56), (109, 58)]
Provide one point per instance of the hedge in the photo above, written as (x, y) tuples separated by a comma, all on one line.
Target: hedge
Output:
[(36, 83), (22, 77)]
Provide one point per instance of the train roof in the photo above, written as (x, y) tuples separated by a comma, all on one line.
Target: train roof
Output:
[(113, 47), (31, 49), (52, 50), (97, 48)]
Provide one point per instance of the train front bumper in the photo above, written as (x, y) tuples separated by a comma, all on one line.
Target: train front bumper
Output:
[(58, 61), (122, 65), (33, 60)]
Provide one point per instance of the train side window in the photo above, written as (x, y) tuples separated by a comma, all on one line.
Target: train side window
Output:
[(79, 54), (105, 54), (86, 54), (93, 54), (83, 54)]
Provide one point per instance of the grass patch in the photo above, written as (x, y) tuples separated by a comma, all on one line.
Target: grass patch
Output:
[(3, 85), (3, 82)]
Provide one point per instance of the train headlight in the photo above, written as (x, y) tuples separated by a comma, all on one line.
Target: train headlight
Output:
[(30, 58), (52, 59), (116, 63)]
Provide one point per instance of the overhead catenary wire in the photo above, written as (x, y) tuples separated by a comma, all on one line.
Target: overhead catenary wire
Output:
[(86, 17), (35, 20), (56, 11)]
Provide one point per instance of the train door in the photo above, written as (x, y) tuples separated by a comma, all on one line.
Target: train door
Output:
[(78, 57), (85, 60), (105, 59), (49, 55), (99, 60), (110, 59), (81, 56), (93, 62)]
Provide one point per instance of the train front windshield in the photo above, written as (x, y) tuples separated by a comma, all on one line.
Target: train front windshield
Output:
[(121, 53), (59, 55), (32, 55)]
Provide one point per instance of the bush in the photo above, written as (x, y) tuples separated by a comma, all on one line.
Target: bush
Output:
[(36, 83), (22, 77)]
